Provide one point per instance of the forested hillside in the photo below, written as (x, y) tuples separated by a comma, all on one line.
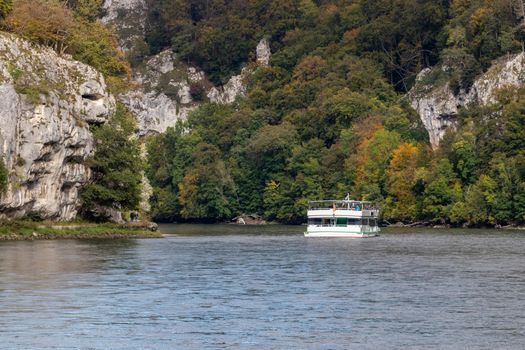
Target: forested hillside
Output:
[(329, 116)]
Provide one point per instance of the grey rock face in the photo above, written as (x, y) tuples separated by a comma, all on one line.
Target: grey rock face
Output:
[(235, 86), (230, 91), (163, 95), (164, 83), (128, 17), (263, 52), (438, 106), (163, 92), (47, 105), (508, 71)]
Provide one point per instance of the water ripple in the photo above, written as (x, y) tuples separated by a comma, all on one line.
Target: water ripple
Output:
[(229, 287)]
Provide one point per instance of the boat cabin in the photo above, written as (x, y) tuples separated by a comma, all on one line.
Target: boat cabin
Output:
[(342, 218)]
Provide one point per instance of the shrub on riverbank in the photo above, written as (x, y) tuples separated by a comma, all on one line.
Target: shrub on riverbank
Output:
[(3, 176), (31, 230), (116, 165)]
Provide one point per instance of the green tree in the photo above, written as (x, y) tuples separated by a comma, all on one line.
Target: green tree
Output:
[(464, 157), (49, 23), (401, 203), (519, 202), (442, 191), (87, 9), (6, 6), (4, 176), (116, 165), (96, 45), (372, 160), (505, 173), (53, 23), (206, 191), (170, 156), (480, 201), (403, 35)]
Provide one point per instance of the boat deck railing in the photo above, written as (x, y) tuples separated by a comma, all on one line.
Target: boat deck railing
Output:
[(341, 205), (328, 225)]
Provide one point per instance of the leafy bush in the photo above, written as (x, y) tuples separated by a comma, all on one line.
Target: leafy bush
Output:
[(116, 165), (4, 174), (49, 23), (5, 7), (197, 92), (76, 32)]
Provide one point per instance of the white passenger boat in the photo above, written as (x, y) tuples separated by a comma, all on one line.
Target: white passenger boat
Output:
[(342, 218)]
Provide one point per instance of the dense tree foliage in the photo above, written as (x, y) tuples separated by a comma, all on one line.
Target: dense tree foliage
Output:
[(403, 36), (5, 7), (325, 118), (328, 117), (217, 35), (70, 27), (116, 165)]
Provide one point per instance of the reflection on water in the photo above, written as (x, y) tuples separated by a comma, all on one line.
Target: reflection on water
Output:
[(44, 263), (235, 287)]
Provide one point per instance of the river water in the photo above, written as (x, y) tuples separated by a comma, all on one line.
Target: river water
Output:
[(231, 287)]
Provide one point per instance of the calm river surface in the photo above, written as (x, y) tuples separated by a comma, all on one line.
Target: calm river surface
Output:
[(231, 287)]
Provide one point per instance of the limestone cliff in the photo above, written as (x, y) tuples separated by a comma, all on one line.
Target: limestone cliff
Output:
[(48, 103), (437, 104), (161, 95), (166, 88), (128, 17)]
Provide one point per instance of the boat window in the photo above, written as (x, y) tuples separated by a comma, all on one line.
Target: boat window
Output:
[(341, 222), (314, 221), (354, 222), (328, 222), (372, 222)]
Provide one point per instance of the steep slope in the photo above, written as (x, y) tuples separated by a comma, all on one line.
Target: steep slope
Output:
[(129, 20), (438, 106), (48, 103), (165, 88)]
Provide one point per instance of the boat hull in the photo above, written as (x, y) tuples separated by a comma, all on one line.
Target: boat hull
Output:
[(340, 235), (341, 232)]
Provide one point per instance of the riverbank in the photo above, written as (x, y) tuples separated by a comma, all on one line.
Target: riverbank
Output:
[(18, 230), (420, 224)]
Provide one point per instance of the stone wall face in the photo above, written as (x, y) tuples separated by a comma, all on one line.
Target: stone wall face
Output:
[(48, 104), (438, 106)]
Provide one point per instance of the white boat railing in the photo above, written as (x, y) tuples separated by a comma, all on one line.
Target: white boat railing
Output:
[(341, 205)]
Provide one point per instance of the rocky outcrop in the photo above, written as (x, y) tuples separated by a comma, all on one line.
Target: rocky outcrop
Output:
[(48, 103), (167, 90), (163, 92), (252, 219), (264, 52), (230, 91), (438, 106), (128, 17)]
